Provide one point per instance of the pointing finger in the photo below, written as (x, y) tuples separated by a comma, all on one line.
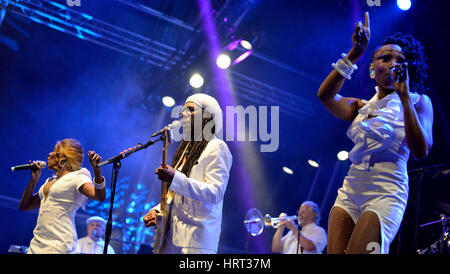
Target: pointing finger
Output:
[(367, 20)]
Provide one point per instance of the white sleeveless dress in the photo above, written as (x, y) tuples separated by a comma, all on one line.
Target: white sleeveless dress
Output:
[(378, 180)]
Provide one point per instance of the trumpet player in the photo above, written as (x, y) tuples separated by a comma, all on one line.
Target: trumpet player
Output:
[(306, 237)]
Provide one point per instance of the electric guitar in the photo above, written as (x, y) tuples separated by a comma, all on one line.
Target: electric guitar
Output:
[(163, 217)]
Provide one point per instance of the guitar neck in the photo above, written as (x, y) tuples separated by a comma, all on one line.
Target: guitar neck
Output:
[(164, 190), (164, 185)]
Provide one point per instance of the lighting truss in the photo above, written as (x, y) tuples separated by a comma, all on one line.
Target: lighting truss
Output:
[(155, 13), (86, 27), (263, 94)]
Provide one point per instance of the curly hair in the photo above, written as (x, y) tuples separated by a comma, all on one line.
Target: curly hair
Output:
[(414, 54)]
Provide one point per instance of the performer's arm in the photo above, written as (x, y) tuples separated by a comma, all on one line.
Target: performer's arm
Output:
[(342, 107), (305, 242), (418, 120), (30, 201), (218, 162), (277, 244), (88, 189)]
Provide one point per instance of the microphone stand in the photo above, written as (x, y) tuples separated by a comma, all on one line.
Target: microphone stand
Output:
[(299, 227), (116, 166), (246, 243)]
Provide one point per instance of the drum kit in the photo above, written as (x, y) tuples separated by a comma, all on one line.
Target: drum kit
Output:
[(442, 245)]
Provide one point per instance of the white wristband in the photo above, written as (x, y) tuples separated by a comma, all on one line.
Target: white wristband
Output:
[(100, 185), (344, 66), (341, 71), (347, 61)]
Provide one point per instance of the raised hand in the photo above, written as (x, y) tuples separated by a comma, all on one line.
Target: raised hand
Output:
[(94, 159), (361, 35)]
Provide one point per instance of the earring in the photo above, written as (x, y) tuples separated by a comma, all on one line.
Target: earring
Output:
[(372, 73), (61, 165)]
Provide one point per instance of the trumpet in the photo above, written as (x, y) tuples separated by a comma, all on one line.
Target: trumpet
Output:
[(275, 222)]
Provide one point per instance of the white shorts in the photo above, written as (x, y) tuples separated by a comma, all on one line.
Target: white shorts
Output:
[(381, 191)]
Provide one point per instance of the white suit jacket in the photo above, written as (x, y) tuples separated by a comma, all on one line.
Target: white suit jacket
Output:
[(196, 215)]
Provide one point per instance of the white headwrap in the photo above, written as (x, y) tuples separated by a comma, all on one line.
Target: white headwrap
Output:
[(208, 103)]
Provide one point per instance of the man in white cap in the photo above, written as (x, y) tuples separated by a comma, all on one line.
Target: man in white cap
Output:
[(198, 180), (93, 242)]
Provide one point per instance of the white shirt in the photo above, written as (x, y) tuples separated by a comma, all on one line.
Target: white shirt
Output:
[(55, 228), (196, 216), (311, 231), (88, 246)]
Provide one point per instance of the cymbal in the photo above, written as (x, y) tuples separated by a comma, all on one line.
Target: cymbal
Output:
[(435, 222)]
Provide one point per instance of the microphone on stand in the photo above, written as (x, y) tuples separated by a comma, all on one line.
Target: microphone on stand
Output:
[(174, 125), (41, 164)]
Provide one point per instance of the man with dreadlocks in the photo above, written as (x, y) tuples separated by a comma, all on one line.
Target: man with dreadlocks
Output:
[(397, 121), (198, 179)]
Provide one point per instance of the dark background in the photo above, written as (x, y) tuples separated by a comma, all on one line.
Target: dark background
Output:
[(54, 86)]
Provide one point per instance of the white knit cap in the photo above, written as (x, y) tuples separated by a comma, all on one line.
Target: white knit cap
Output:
[(208, 103), (96, 219)]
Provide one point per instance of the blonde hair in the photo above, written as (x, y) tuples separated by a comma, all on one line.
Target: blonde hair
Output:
[(72, 151)]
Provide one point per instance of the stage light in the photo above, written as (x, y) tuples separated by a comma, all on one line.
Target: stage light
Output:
[(235, 52), (404, 4), (223, 61), (2, 15), (196, 80), (288, 170), (342, 155), (313, 163), (168, 101), (242, 57), (246, 44)]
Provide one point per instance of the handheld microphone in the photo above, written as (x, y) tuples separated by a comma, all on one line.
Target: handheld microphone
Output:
[(41, 164), (174, 125), (401, 72)]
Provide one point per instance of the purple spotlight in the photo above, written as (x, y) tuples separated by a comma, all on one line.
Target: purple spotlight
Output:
[(242, 57), (233, 44)]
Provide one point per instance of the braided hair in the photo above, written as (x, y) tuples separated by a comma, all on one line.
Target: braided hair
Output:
[(414, 54), (193, 152)]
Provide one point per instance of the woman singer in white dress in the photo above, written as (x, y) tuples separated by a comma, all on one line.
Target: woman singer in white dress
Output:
[(397, 121), (59, 198)]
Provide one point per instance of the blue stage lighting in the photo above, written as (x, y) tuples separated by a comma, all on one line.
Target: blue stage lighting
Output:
[(404, 4)]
